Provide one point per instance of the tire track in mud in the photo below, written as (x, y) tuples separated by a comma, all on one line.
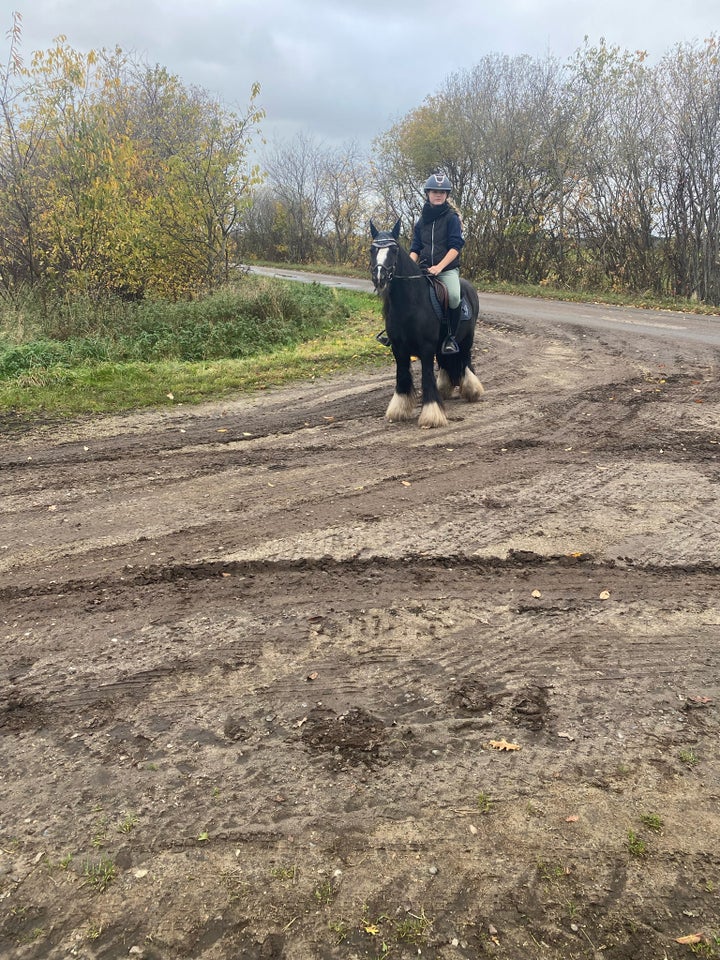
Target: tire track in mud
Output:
[(300, 644)]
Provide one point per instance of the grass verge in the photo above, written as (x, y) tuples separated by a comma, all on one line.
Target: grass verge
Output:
[(70, 386)]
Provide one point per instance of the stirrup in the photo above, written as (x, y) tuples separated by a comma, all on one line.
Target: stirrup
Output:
[(450, 345), (383, 338)]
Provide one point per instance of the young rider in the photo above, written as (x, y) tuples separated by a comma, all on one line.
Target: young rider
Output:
[(436, 245)]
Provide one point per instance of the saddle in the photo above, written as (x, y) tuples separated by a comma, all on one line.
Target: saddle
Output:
[(438, 297), (439, 300)]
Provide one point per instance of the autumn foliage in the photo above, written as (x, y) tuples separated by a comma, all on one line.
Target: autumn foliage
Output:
[(114, 177)]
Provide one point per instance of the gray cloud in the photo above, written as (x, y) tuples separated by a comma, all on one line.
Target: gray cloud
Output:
[(348, 70)]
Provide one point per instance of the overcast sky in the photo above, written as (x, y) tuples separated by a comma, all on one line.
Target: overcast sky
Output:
[(342, 70)]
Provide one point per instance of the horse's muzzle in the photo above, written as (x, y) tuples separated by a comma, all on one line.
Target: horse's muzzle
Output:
[(380, 277)]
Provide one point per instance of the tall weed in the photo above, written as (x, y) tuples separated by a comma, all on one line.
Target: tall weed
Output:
[(248, 318)]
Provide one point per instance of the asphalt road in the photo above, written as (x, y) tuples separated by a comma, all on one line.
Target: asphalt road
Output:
[(664, 324)]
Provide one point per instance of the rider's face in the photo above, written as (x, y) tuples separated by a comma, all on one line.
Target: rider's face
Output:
[(436, 197)]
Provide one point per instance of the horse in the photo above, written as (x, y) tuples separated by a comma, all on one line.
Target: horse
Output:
[(416, 330)]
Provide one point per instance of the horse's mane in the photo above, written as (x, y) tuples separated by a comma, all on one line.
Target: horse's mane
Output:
[(406, 263)]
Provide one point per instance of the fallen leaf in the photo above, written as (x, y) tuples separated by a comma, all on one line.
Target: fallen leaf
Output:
[(504, 745), (170, 396), (405, 483), (573, 818), (204, 835), (536, 594), (328, 418), (605, 595), (301, 722), (701, 699), (690, 938), (565, 735), (312, 676), (221, 430), (371, 929)]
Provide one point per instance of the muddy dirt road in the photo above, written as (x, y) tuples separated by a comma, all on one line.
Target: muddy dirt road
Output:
[(283, 680)]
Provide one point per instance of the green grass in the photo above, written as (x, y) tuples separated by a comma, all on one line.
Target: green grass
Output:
[(273, 332)]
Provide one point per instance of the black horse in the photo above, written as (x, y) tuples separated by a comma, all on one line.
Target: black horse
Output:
[(415, 330)]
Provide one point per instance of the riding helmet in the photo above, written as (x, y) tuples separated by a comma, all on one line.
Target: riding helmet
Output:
[(437, 181)]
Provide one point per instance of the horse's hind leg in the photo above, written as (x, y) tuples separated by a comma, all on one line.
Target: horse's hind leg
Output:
[(470, 387), (449, 374), (432, 413), (444, 384), (404, 400)]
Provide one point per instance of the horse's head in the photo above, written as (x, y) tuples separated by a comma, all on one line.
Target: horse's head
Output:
[(384, 251)]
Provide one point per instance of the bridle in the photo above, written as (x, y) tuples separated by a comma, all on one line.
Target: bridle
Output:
[(388, 242)]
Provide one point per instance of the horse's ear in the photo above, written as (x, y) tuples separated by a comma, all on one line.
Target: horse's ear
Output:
[(373, 230), (396, 230)]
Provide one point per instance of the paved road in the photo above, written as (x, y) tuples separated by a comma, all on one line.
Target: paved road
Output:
[(665, 324)]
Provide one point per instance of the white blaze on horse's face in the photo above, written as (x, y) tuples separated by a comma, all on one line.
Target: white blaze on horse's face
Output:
[(383, 260), (381, 272)]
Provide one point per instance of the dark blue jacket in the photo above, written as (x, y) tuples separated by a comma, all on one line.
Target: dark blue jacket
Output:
[(437, 231)]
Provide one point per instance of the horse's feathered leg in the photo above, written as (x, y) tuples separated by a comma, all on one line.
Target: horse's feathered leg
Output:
[(403, 402), (470, 387), (444, 384), (432, 413)]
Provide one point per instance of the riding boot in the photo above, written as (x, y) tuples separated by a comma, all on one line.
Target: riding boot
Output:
[(450, 344), (383, 338)]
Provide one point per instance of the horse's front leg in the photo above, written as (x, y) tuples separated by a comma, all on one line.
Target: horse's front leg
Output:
[(432, 413), (402, 405)]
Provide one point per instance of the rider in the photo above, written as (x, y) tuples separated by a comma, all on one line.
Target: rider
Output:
[(436, 245)]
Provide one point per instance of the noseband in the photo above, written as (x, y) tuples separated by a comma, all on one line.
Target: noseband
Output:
[(384, 243)]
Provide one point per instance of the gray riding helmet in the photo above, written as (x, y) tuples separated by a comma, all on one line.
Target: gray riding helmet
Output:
[(437, 181)]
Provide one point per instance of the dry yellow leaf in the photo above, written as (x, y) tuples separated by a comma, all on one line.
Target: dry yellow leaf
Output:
[(605, 595), (504, 745), (690, 938), (536, 594)]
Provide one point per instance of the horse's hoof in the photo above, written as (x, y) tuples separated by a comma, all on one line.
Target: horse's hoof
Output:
[(432, 415), (471, 389), (401, 407)]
